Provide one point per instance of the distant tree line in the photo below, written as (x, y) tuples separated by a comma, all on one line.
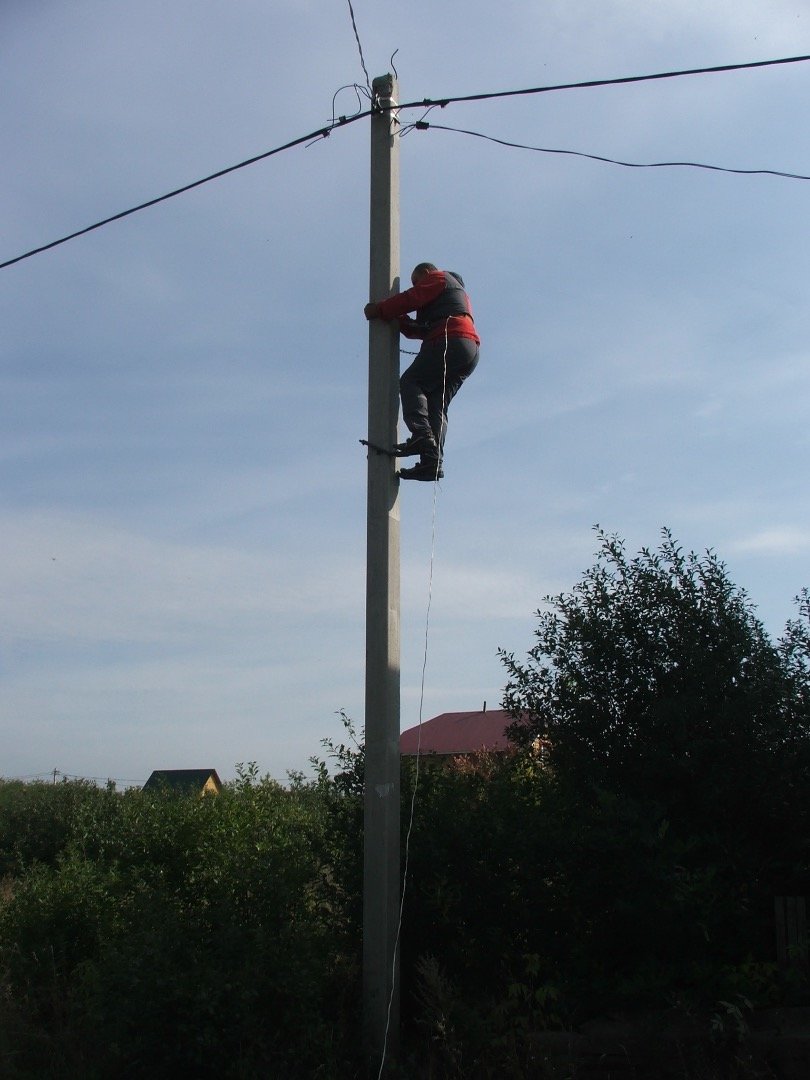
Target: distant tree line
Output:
[(633, 865)]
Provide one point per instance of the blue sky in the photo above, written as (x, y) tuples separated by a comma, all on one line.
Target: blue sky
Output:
[(183, 491)]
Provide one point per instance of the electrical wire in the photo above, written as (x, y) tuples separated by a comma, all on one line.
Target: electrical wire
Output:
[(421, 125), (313, 136), (53, 773), (100, 779), (408, 128), (359, 47), (28, 776), (620, 81), (358, 91), (425, 103)]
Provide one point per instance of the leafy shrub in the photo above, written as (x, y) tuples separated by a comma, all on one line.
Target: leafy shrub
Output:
[(36, 820), (177, 934)]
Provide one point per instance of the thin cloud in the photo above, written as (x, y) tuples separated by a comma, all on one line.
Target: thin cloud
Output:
[(79, 578), (778, 540)]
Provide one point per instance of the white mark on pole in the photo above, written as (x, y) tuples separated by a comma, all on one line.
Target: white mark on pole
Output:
[(384, 790)]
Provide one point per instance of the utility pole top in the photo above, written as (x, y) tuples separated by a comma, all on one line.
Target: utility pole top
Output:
[(383, 89)]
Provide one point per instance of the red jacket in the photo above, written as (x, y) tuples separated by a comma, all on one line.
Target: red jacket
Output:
[(442, 308)]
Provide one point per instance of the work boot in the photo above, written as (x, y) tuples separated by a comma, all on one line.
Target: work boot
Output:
[(429, 468), (416, 444)]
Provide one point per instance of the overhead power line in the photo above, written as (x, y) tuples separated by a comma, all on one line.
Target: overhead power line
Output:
[(625, 79), (359, 47), (313, 135), (52, 774), (343, 121), (422, 125)]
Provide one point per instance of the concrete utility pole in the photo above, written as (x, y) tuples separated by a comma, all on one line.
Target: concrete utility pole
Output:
[(381, 882)]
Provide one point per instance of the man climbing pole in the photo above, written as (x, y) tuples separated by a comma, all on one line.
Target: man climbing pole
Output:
[(448, 355)]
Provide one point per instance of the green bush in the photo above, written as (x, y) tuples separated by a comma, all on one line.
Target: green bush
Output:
[(177, 934), (36, 820)]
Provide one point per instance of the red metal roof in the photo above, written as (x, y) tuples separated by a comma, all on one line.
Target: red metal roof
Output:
[(458, 733)]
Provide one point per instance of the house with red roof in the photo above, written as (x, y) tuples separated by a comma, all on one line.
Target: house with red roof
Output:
[(453, 733)]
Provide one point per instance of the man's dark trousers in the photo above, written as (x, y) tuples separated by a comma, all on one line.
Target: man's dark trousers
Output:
[(432, 381)]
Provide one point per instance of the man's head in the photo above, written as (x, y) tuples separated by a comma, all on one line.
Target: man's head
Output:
[(421, 270)]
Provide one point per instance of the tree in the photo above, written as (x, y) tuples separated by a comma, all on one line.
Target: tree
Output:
[(679, 741), (654, 675)]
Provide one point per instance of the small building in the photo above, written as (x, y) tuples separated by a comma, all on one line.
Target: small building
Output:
[(454, 733), (185, 781)]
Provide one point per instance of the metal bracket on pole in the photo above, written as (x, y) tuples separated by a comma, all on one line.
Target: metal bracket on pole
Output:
[(382, 93)]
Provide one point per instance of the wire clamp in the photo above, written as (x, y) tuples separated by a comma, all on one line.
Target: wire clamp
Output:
[(382, 94)]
